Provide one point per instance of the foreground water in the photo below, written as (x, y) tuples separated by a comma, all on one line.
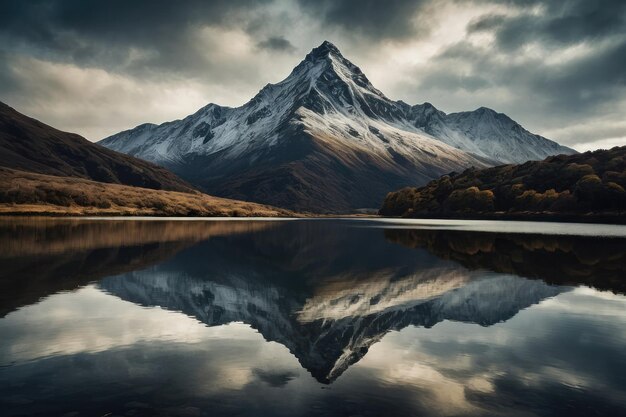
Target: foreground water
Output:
[(311, 317)]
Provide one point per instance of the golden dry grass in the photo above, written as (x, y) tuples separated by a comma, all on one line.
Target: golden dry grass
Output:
[(28, 193)]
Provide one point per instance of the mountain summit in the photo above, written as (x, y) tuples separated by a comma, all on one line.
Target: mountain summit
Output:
[(326, 140)]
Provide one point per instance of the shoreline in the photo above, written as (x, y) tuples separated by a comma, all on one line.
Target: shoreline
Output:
[(600, 218), (54, 211)]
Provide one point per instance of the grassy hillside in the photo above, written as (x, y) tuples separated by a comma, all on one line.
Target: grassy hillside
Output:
[(28, 193), (28, 145), (591, 183)]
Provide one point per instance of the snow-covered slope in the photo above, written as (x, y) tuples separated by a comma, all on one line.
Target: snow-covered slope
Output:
[(325, 139), (485, 132)]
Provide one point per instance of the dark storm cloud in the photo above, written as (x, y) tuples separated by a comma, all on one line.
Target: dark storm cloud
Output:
[(379, 20), (557, 23), (576, 83), (551, 64), (116, 34), (573, 87), (8, 83), (276, 43), (455, 81), (586, 81), (533, 59)]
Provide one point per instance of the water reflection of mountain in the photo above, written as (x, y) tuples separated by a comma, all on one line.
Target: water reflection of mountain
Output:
[(325, 291), (562, 260)]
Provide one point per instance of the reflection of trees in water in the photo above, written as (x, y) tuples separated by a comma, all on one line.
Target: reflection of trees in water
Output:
[(43, 256), (36, 236), (597, 262)]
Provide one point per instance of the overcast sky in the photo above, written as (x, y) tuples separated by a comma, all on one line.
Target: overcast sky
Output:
[(98, 67)]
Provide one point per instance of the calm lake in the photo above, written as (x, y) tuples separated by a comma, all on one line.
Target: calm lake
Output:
[(355, 317)]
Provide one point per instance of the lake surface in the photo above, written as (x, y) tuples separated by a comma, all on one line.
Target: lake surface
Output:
[(311, 317)]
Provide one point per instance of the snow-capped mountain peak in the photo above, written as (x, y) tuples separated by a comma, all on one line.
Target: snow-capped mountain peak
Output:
[(324, 82), (326, 48), (325, 139)]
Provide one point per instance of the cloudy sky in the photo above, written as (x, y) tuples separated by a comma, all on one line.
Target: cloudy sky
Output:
[(98, 67)]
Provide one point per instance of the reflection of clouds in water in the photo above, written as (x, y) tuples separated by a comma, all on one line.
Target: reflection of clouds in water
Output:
[(444, 394), (556, 345), (275, 378), (589, 302), (159, 357), (89, 320)]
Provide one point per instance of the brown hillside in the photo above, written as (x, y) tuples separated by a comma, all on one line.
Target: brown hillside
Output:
[(28, 145), (28, 193)]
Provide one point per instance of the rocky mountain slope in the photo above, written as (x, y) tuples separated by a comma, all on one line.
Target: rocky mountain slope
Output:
[(325, 139), (28, 145)]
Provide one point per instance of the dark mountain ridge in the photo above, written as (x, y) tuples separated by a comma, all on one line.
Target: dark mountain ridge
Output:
[(29, 145)]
